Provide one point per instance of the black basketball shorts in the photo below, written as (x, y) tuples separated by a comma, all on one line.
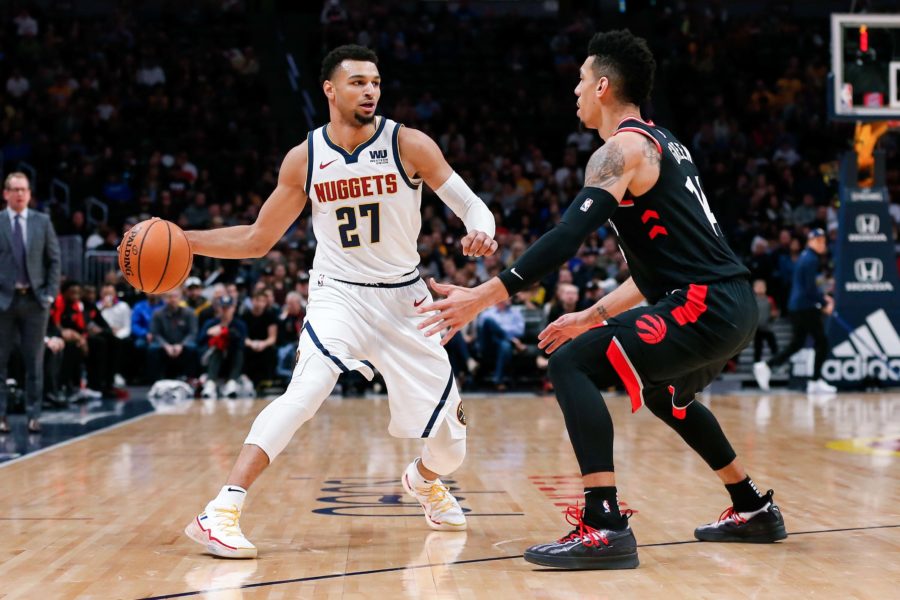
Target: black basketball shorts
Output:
[(676, 346)]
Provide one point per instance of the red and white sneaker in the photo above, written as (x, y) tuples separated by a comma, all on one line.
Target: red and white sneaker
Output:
[(218, 530), (762, 526), (442, 511), (586, 547)]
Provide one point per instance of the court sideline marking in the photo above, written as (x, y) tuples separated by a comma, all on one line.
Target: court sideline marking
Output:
[(459, 562), (77, 438)]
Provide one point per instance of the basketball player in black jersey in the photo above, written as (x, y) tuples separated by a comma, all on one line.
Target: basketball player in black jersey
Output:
[(700, 312)]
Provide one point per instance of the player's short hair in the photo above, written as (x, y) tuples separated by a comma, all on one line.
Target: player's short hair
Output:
[(626, 60), (334, 58)]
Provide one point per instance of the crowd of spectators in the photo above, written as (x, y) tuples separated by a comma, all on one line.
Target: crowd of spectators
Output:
[(154, 115)]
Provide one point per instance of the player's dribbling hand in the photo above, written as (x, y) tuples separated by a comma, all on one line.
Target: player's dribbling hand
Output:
[(563, 329), (478, 243)]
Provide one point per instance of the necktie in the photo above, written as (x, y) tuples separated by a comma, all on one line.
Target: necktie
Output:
[(19, 252)]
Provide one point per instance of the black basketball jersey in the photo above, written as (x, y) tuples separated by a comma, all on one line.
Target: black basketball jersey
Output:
[(668, 235)]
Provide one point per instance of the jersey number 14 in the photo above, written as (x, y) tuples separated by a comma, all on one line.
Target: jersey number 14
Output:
[(347, 224), (698, 192)]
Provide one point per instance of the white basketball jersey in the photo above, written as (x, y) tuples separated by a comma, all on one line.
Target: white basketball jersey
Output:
[(366, 212)]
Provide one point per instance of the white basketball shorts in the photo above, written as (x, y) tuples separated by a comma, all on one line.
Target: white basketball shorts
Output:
[(360, 327)]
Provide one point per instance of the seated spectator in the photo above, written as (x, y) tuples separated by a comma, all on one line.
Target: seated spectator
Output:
[(566, 301), (193, 295), (592, 293), (68, 316), (141, 317), (211, 310), (173, 334), (290, 322), (54, 345), (117, 315), (222, 338), (589, 270), (262, 333), (100, 342), (499, 331), (462, 363)]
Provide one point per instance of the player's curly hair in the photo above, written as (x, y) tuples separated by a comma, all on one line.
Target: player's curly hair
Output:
[(627, 61), (347, 52)]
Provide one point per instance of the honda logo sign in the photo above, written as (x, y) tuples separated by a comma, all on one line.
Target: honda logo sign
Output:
[(867, 223), (869, 273), (868, 270), (868, 226)]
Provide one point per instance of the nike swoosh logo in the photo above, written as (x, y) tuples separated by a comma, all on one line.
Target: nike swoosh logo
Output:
[(231, 489), (417, 303), (513, 271), (323, 165)]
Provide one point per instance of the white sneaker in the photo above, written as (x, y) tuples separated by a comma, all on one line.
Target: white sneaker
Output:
[(231, 389), (763, 374), (819, 386), (119, 381), (218, 529), (209, 390), (247, 388), (442, 511)]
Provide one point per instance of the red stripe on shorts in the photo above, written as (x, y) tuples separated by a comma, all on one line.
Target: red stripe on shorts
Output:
[(627, 373), (694, 307)]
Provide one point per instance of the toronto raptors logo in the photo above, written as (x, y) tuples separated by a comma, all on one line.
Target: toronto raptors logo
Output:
[(651, 329)]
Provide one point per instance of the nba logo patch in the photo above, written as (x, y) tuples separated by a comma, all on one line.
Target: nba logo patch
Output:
[(321, 280), (586, 205), (606, 506)]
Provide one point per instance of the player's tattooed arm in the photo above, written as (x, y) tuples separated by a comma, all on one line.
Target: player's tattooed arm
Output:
[(602, 312), (651, 152), (605, 167), (623, 298)]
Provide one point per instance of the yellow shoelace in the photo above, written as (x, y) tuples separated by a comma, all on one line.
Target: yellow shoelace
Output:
[(227, 519), (439, 497)]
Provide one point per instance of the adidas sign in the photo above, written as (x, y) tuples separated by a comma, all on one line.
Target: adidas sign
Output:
[(872, 351)]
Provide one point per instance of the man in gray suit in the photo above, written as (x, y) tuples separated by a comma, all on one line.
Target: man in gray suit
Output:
[(29, 281)]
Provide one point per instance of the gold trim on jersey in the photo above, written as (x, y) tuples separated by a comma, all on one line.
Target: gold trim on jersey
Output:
[(328, 138)]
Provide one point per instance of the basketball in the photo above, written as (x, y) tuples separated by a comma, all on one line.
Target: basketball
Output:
[(155, 256)]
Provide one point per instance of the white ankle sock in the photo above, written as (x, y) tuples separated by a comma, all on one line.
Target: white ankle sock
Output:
[(230, 495)]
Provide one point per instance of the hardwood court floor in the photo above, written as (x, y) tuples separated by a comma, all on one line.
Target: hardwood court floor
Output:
[(102, 517)]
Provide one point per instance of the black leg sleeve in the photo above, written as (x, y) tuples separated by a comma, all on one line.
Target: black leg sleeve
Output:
[(579, 370), (699, 428)]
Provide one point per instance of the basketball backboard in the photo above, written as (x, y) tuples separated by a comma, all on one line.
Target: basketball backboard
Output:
[(865, 67)]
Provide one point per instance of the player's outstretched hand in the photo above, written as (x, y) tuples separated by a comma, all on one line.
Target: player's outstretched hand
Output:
[(460, 306), (565, 328), (478, 243)]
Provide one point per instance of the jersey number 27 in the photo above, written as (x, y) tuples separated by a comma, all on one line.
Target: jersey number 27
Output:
[(347, 224)]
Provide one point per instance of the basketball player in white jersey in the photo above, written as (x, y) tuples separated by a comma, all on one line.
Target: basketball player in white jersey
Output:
[(362, 175)]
